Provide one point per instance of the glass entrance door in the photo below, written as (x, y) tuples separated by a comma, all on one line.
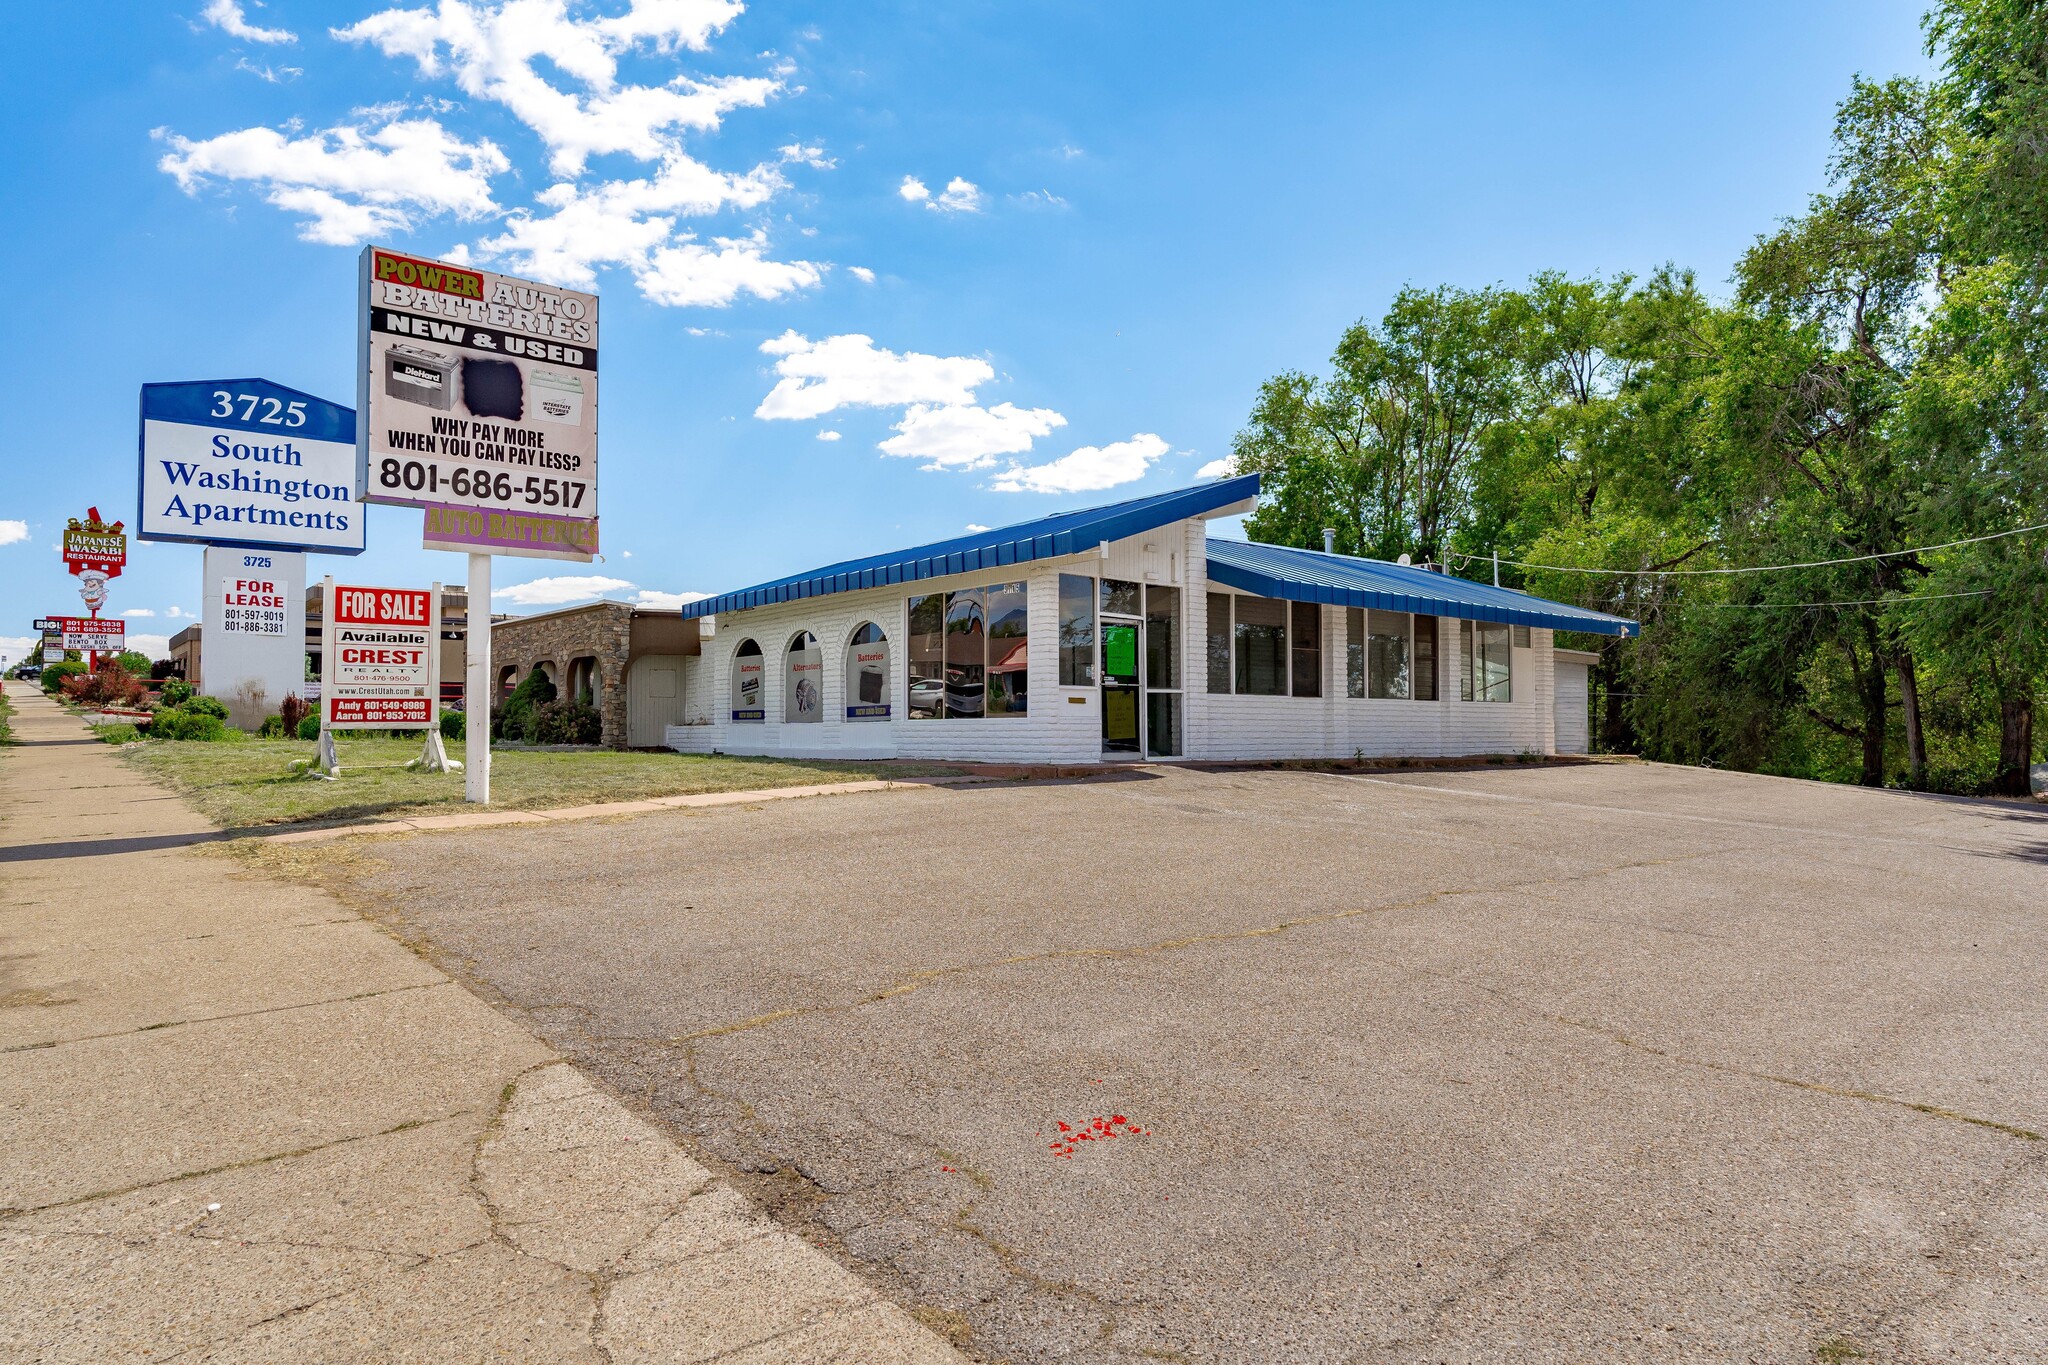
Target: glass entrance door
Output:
[(1122, 717)]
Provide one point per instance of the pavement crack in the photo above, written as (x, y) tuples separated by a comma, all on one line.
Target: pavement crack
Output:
[(223, 1018)]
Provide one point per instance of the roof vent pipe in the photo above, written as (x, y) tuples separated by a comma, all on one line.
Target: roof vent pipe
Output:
[(1329, 540)]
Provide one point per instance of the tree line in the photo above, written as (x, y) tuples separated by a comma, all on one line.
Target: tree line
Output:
[(1873, 383)]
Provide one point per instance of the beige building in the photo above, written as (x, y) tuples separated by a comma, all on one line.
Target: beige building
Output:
[(627, 662)]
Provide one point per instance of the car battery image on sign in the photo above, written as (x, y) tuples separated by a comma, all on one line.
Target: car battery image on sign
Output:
[(558, 397), (421, 376), (493, 388)]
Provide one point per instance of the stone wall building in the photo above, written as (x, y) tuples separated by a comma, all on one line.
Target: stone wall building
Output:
[(625, 661)]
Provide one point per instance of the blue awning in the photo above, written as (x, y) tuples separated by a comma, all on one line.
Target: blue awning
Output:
[(1064, 533), (1311, 576)]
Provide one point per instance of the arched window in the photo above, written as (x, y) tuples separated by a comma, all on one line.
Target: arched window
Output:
[(508, 678), (748, 682), (803, 682), (867, 674)]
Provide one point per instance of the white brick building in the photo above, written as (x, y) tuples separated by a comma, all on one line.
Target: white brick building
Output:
[(1123, 633)]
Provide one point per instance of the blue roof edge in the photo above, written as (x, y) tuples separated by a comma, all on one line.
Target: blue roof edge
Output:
[(1063, 533)]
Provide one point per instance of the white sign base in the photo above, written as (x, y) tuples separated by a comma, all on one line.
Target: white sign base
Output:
[(252, 643), (434, 758), (328, 764)]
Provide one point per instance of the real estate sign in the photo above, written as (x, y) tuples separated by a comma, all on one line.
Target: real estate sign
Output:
[(91, 632), (253, 624), (476, 390), (380, 658), (250, 463)]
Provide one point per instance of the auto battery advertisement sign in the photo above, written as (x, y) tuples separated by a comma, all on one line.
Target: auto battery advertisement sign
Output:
[(380, 658), (245, 462), (476, 390), (91, 632)]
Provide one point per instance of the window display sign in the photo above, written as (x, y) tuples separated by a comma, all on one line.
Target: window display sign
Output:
[(803, 690), (867, 674), (86, 633), (379, 658), (475, 390), (93, 546), (248, 462), (748, 683)]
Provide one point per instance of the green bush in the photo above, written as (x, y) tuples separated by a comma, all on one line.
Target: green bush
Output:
[(271, 728), (134, 661), (452, 723), (206, 706), (55, 674), (176, 691), (565, 722), (175, 722), (514, 720), (309, 726), (117, 734)]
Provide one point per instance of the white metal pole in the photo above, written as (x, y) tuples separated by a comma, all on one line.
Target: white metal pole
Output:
[(1496, 566), (476, 732)]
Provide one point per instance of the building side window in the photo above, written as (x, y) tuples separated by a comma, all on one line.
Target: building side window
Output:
[(966, 653), (969, 653), (928, 657), (1354, 652), (1308, 648), (1162, 637), (1425, 658), (1464, 661), (1521, 634), (1077, 631), (1386, 654), (1488, 659), (867, 674), (1009, 648), (749, 681), (803, 681), (1219, 642), (1260, 643)]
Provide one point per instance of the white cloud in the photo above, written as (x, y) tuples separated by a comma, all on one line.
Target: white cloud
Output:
[(688, 273), (625, 554), (1218, 469), (405, 168), (15, 648), (959, 196), (1041, 199), (276, 75), (1067, 151), (228, 17), (179, 613), (12, 532), (914, 190), (818, 377), (667, 601), (861, 273), (1087, 469), (133, 612), (828, 435), (974, 526), (814, 157), (155, 646), (966, 436), (491, 50), (560, 590)]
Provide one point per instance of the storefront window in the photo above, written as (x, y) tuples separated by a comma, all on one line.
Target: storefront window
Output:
[(966, 653), (1219, 641), (1487, 673), (928, 657), (867, 674), (1354, 651), (1425, 658), (1162, 637), (1261, 647), (748, 682), (1077, 631), (803, 681), (1119, 597), (1308, 649), (1009, 641), (1386, 654)]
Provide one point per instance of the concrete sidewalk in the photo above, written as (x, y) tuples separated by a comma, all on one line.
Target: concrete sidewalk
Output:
[(237, 1122)]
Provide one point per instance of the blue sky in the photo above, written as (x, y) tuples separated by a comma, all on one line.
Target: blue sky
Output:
[(1075, 237)]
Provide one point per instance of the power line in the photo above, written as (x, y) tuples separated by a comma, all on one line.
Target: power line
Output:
[(1766, 568), (1858, 602)]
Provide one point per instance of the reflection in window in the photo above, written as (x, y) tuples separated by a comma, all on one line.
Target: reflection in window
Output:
[(803, 682), (1487, 662), (1386, 654), (1162, 637), (1219, 642), (748, 681), (1009, 642), (1261, 647), (1521, 637), (1119, 597), (1308, 649), (1077, 631), (966, 653), (1354, 652), (1425, 658), (928, 657)]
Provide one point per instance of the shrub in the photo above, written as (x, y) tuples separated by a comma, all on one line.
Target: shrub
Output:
[(206, 706), (293, 712), (165, 668), (271, 728), (308, 727), (177, 723), (55, 674), (175, 691), (117, 734), (515, 719), (136, 662), (113, 685), (565, 722), (452, 723)]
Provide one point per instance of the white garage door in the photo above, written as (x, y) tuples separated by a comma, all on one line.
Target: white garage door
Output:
[(1573, 730), (654, 698)]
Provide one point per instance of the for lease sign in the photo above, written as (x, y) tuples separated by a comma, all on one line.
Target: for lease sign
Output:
[(380, 657), (253, 606)]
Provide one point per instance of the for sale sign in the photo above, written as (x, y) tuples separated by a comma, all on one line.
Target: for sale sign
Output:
[(380, 657), (475, 390), (90, 632)]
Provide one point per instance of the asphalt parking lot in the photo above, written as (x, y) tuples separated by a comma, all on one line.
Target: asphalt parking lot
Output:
[(1598, 1063)]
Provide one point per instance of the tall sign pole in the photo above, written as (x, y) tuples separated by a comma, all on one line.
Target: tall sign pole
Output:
[(95, 552), (477, 394)]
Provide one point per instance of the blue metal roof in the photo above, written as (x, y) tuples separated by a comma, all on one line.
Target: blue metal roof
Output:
[(1064, 533), (1311, 576)]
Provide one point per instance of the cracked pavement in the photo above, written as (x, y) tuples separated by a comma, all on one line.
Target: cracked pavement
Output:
[(1617, 1063), (240, 1123)]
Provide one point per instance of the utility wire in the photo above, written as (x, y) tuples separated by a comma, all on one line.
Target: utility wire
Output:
[(1765, 568), (1858, 602)]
